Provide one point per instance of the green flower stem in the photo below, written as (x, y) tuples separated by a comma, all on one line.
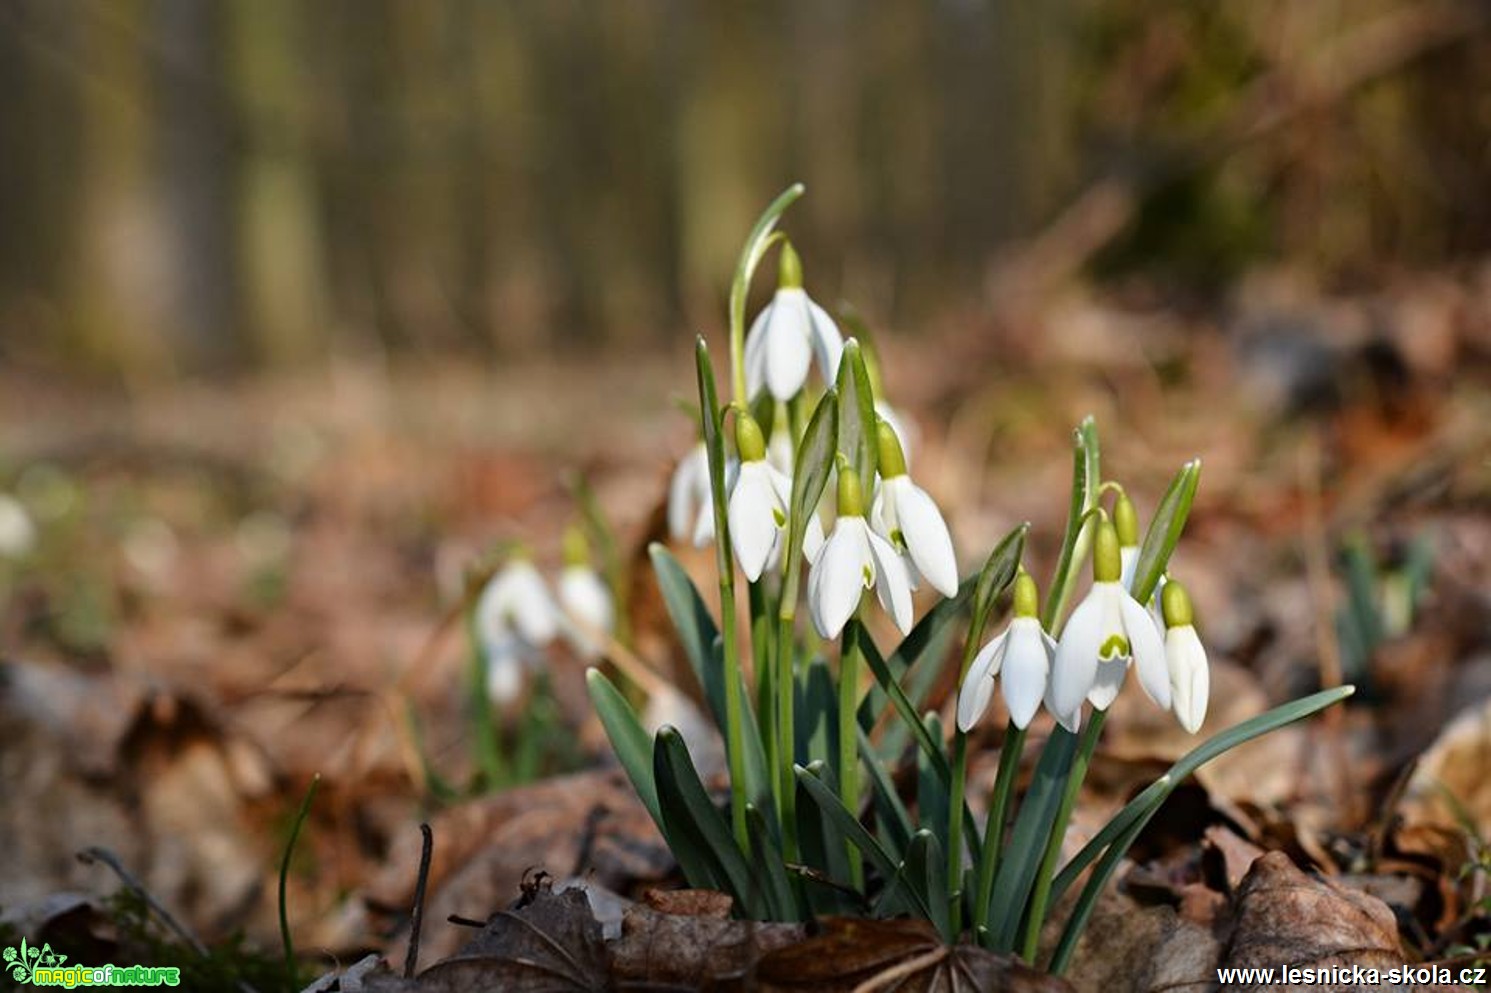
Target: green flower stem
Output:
[(786, 687), (734, 705), (488, 743), (1036, 912), (957, 789), (999, 808), (762, 660), (850, 661)]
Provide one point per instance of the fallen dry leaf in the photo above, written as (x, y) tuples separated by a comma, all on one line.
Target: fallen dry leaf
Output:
[(1287, 918)]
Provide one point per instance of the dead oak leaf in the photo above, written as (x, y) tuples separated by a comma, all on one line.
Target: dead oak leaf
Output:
[(552, 945), (1287, 918)]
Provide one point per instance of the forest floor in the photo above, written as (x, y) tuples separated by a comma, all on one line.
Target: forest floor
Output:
[(238, 587)]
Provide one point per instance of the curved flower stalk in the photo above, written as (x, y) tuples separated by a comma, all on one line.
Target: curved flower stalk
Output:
[(788, 334), (1190, 676), (908, 518), (1021, 654), (514, 619), (585, 598), (852, 560), (1108, 630)]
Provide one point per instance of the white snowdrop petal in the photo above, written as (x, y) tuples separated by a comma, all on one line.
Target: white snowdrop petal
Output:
[(788, 354), (1148, 650), (1026, 669), (1128, 561), (839, 576), (927, 538), (1107, 682), (755, 351), (753, 529), (978, 684), (892, 584), (1076, 664), (1190, 677), (827, 341)]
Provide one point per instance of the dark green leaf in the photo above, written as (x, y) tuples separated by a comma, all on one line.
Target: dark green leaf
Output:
[(628, 738), (1164, 530), (697, 833), (891, 815), (1085, 482), (857, 438), (845, 822)]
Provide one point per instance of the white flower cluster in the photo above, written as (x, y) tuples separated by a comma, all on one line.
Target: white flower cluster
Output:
[(516, 620), (1108, 631), (902, 540)]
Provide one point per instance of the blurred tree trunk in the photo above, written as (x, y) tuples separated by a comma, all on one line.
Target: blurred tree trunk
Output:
[(280, 236), (194, 174)]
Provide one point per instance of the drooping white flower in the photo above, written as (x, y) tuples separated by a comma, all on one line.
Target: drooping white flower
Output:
[(585, 597), (515, 599), (760, 496), (788, 334), (906, 516), (17, 532), (1108, 629), (1190, 677), (690, 499), (852, 560), (1022, 653)]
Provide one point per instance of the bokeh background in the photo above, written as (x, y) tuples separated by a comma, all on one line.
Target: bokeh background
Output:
[(195, 186), (311, 310)]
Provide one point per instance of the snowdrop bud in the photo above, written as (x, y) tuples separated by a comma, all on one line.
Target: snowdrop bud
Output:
[(892, 458), (1107, 564), (17, 532), (749, 441), (1185, 657), (789, 268)]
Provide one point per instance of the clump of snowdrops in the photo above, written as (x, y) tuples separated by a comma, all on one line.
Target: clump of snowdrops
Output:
[(815, 823)]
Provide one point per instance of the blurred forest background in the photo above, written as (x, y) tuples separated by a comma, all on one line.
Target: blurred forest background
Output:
[(206, 186)]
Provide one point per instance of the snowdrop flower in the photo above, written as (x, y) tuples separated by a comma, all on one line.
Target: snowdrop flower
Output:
[(905, 515), (1022, 652), (1126, 523), (507, 657), (760, 495), (514, 620), (585, 597), (17, 532), (1190, 679), (1108, 629), (852, 560), (515, 599), (787, 334), (690, 499)]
